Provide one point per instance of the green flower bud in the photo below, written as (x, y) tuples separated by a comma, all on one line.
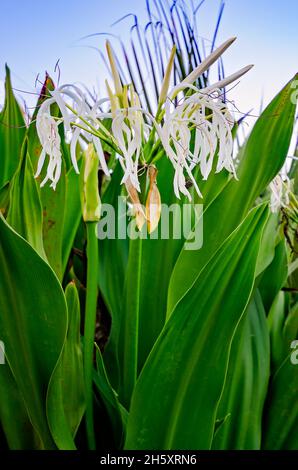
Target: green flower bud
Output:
[(90, 199)]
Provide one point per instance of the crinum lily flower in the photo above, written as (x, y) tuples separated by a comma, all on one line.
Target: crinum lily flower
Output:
[(74, 118), (280, 193), (200, 117), (207, 120), (193, 132), (48, 133)]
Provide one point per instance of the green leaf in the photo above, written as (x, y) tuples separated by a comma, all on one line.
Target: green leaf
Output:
[(276, 320), (25, 211), (73, 215), (262, 157), (12, 133), (175, 401), (275, 276), (290, 327), (54, 207), (116, 412), (158, 258), (18, 430), (268, 243), (33, 323), (128, 338), (283, 325), (281, 415), (4, 198), (113, 254), (246, 382), (66, 393)]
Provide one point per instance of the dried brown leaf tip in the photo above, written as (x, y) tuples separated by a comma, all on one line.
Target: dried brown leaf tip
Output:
[(137, 206), (153, 203)]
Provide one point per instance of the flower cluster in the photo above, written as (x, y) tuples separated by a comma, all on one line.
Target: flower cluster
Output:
[(192, 125), (203, 118)]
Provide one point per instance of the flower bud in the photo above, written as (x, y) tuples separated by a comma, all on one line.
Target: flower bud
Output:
[(90, 199), (137, 206), (153, 203)]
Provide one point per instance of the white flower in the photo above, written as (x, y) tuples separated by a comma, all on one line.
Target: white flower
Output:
[(48, 133), (47, 130), (127, 130), (280, 192), (192, 133)]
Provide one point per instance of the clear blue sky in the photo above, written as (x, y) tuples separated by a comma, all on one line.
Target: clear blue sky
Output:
[(34, 34)]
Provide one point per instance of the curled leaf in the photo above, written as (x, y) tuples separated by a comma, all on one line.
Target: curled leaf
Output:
[(153, 203), (137, 206)]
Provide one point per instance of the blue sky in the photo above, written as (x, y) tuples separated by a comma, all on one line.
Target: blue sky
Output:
[(33, 37)]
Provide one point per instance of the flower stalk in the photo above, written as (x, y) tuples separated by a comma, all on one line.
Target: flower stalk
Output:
[(91, 213)]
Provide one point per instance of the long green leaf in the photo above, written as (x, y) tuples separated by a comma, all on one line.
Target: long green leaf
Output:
[(14, 418), (25, 210), (33, 323), (12, 132), (281, 416), (66, 393), (176, 397), (263, 156), (246, 383), (117, 414)]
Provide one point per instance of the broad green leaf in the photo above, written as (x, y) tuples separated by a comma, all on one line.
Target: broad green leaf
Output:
[(290, 327), (33, 323), (276, 319), (113, 254), (25, 211), (66, 393), (268, 243), (274, 277), (18, 430), (246, 382), (158, 258), (281, 415), (12, 133), (4, 198), (54, 207), (262, 157), (128, 337), (283, 325), (175, 401), (117, 414), (73, 215)]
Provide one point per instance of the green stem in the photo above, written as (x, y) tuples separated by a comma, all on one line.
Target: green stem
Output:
[(130, 331), (89, 328)]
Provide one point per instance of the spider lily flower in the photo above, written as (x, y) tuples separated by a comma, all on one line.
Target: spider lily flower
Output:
[(153, 202), (77, 120), (48, 133), (280, 193), (207, 119), (127, 130), (193, 132), (89, 193), (201, 114)]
